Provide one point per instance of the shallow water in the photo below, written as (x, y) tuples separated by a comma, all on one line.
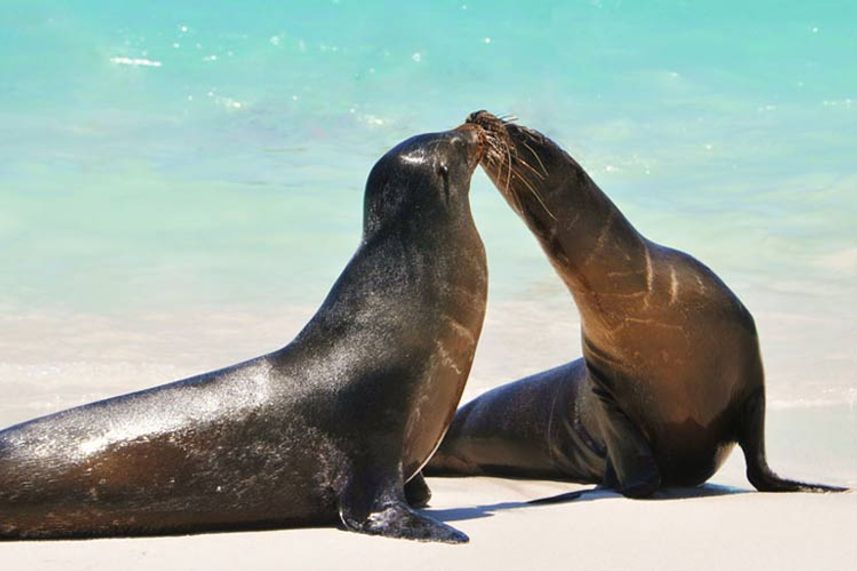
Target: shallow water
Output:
[(167, 168)]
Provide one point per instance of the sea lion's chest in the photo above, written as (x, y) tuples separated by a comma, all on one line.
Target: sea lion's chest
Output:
[(458, 323)]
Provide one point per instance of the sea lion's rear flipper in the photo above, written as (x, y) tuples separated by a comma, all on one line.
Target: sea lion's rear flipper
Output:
[(751, 438), (559, 498), (385, 511), (417, 491), (631, 467)]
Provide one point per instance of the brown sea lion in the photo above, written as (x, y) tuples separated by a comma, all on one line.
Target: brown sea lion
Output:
[(671, 375)]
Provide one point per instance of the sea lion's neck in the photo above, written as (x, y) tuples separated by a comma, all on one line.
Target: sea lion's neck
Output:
[(598, 253)]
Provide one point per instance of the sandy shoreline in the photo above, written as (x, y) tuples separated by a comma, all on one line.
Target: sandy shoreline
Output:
[(714, 527)]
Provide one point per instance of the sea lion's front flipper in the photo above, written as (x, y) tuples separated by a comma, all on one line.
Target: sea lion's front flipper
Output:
[(631, 467), (752, 441), (417, 491), (385, 511), (400, 520)]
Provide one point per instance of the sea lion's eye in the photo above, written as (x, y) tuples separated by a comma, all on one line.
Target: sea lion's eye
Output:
[(443, 171)]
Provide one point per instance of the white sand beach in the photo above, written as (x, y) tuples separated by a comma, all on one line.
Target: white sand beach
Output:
[(724, 525), (708, 528)]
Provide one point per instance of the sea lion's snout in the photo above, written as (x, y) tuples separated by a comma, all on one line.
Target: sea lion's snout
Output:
[(473, 138), (496, 147), (486, 121), (480, 117), (508, 159)]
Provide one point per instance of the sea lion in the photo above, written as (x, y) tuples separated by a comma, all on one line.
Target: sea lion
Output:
[(329, 428), (671, 375)]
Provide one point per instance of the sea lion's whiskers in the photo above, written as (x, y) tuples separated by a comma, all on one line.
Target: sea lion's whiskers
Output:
[(535, 193), (495, 145), (502, 156), (536, 155), (525, 182), (494, 156), (507, 162), (531, 168), (509, 190), (521, 175)]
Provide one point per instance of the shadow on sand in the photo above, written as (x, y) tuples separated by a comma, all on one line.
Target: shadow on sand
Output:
[(488, 510)]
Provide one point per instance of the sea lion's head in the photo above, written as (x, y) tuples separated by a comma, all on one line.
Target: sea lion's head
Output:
[(516, 159), (422, 177)]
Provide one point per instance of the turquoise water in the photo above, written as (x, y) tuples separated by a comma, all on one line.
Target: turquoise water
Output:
[(209, 157)]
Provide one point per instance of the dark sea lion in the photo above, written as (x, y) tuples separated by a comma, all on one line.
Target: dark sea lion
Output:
[(671, 375), (329, 428)]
